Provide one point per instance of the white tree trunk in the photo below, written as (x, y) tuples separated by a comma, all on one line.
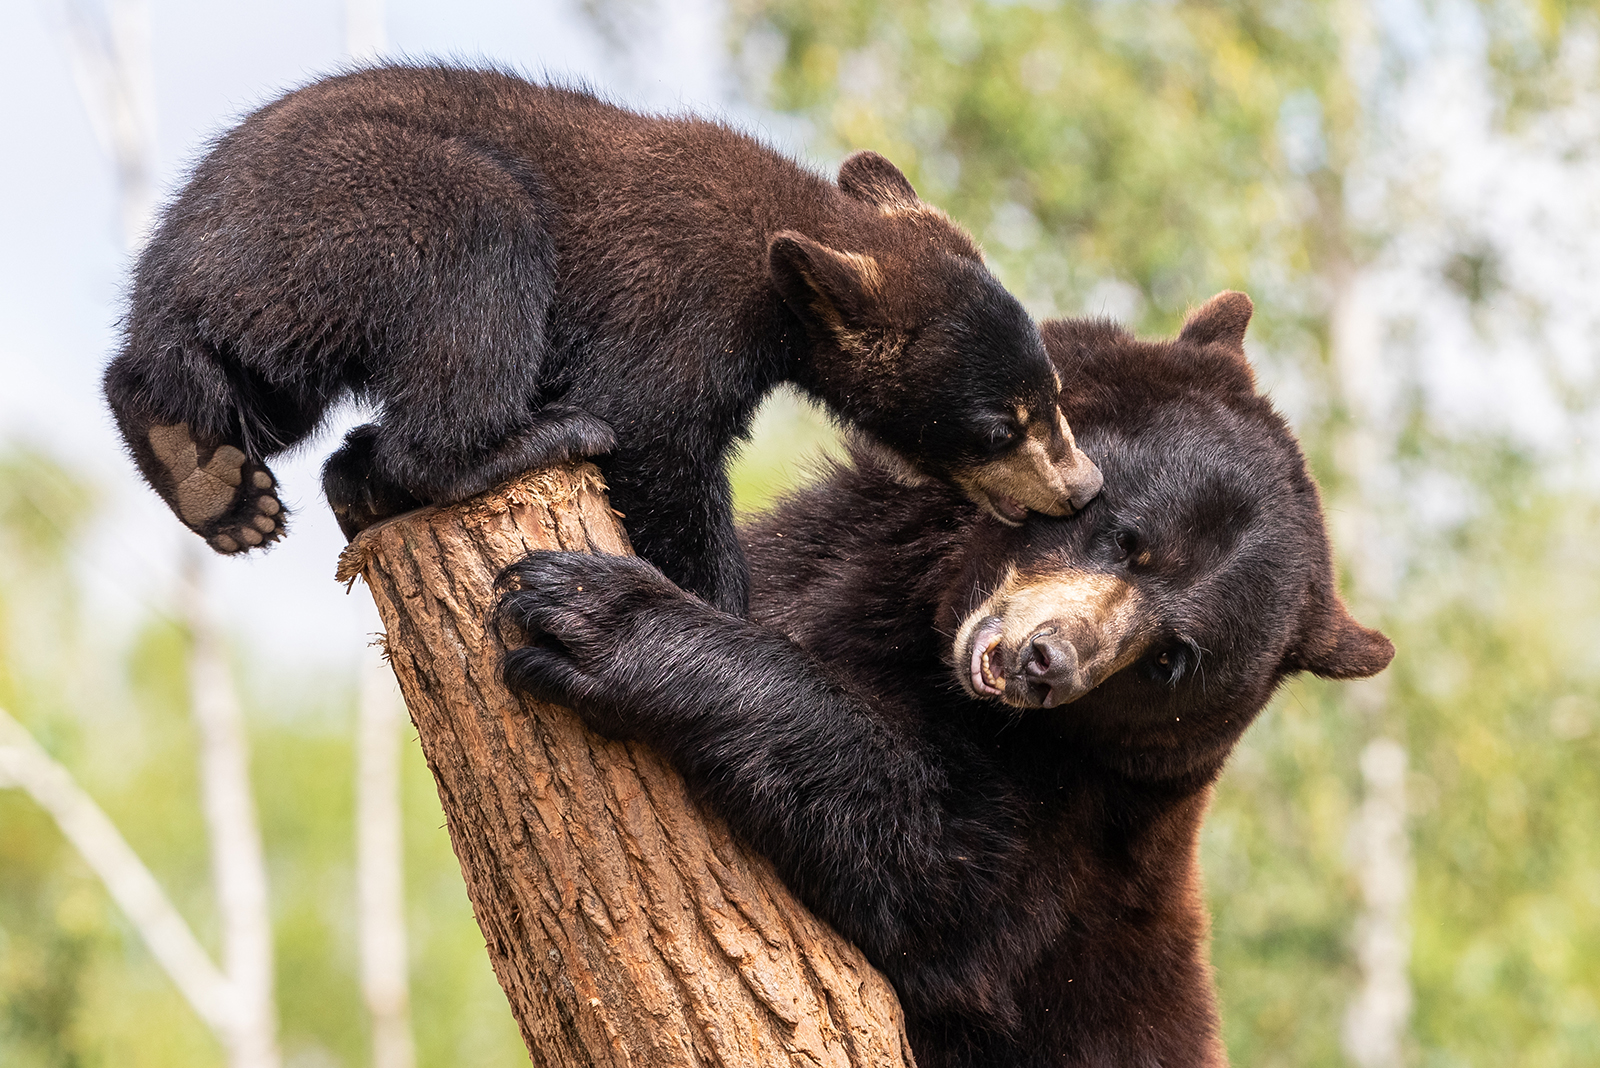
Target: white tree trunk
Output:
[(1377, 1018), (111, 63), (380, 869), (237, 863), (1375, 1022)]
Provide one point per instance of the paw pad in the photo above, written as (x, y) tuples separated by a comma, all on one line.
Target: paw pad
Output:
[(227, 499)]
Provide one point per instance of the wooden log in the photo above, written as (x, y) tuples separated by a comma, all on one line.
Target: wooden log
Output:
[(626, 925)]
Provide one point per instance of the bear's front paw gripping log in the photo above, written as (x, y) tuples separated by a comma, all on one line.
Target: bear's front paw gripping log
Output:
[(573, 611), (220, 493), (581, 599), (547, 670)]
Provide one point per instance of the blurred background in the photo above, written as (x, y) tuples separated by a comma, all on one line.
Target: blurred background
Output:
[(1402, 872)]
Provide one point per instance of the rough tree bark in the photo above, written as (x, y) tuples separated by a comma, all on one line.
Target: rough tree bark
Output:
[(626, 926)]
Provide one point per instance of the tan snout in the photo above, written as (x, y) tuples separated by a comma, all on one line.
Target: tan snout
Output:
[(1047, 473), (1042, 642)]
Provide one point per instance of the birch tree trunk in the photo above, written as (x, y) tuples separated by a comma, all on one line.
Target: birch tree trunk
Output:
[(626, 926), (238, 861), (380, 868)]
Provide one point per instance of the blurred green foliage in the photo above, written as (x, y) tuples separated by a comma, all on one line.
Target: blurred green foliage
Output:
[(1496, 695), (1500, 693), (1085, 141), (77, 985)]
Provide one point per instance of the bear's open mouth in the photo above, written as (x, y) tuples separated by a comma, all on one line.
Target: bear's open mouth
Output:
[(986, 679), (1007, 510)]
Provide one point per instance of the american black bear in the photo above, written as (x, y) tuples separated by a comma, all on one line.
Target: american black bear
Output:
[(518, 274), (983, 753)]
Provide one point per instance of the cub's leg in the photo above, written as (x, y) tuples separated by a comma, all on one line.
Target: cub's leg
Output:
[(217, 491), (196, 435), (358, 495), (678, 512), (455, 331), (332, 246), (378, 473)]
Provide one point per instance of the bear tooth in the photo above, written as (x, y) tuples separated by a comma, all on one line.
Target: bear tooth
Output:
[(983, 668)]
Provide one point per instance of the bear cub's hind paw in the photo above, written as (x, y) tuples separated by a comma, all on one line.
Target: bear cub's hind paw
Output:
[(357, 493), (220, 493)]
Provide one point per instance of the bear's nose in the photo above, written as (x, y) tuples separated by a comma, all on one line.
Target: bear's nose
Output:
[(1052, 667), (1086, 484)]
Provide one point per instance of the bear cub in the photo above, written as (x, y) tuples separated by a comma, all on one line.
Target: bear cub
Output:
[(983, 752), (517, 275)]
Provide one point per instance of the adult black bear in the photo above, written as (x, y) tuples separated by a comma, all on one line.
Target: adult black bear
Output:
[(518, 274), (984, 753)]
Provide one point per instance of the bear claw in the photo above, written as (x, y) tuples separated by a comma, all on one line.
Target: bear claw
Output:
[(228, 499)]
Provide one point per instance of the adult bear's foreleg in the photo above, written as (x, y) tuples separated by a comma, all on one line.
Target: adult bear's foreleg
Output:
[(857, 812)]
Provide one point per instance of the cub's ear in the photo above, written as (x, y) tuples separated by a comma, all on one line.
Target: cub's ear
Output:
[(826, 288), (1223, 319), (869, 177), (1341, 648)]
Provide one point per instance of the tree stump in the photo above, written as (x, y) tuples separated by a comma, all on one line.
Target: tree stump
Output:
[(626, 925)]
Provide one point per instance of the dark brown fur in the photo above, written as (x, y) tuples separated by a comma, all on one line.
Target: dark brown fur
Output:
[(518, 274), (1022, 865)]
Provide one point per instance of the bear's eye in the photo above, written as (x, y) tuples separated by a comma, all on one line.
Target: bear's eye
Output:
[(1127, 542), (1168, 664), (1000, 436)]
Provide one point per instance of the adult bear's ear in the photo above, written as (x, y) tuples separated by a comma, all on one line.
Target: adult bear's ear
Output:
[(827, 288), (869, 177), (1223, 319), (1335, 646)]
